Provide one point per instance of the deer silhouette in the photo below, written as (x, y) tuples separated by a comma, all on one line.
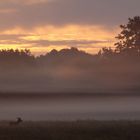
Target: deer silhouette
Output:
[(17, 122)]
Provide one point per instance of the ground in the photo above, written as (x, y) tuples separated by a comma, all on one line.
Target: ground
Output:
[(74, 130)]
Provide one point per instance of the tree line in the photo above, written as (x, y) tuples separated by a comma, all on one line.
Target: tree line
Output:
[(128, 44), (126, 48)]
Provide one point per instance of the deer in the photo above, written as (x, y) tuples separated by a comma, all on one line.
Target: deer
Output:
[(17, 122)]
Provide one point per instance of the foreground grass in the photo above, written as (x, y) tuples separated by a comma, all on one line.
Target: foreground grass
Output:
[(79, 130)]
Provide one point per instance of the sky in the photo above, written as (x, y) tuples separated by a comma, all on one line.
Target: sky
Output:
[(43, 25)]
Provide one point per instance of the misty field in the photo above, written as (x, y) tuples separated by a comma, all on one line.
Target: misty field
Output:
[(78, 130)]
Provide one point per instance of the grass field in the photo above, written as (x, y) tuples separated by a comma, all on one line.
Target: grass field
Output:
[(78, 130)]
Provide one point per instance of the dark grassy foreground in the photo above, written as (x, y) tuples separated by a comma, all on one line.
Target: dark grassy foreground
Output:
[(80, 130)]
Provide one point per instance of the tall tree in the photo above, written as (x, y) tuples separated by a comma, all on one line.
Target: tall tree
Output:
[(129, 37)]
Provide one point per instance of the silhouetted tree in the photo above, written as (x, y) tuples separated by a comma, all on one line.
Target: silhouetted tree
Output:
[(67, 57), (106, 52), (11, 57), (53, 52), (129, 38)]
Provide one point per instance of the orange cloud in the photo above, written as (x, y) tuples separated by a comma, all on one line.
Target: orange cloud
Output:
[(26, 1), (43, 39), (7, 11)]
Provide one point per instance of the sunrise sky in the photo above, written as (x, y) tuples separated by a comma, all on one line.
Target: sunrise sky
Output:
[(43, 25)]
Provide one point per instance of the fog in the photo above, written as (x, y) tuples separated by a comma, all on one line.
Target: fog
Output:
[(69, 71), (68, 85), (71, 108)]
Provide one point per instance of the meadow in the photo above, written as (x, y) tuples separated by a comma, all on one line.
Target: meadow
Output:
[(72, 130)]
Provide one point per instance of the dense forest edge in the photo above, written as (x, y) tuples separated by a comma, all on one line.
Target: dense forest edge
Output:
[(72, 70)]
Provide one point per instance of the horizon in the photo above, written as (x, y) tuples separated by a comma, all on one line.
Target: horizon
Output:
[(43, 25)]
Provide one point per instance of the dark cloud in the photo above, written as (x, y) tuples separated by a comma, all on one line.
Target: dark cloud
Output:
[(12, 39), (63, 12), (19, 39), (66, 42), (10, 36)]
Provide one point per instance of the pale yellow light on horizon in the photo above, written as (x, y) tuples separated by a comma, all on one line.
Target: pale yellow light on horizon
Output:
[(65, 33)]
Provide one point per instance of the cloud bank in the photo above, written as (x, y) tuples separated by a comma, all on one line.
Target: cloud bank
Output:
[(33, 13)]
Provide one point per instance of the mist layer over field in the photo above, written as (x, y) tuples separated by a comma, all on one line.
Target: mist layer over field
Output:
[(68, 70), (70, 107)]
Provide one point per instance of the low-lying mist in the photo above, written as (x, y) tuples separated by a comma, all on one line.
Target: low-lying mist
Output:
[(67, 71)]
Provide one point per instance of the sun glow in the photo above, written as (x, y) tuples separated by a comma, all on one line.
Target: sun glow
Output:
[(43, 39)]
